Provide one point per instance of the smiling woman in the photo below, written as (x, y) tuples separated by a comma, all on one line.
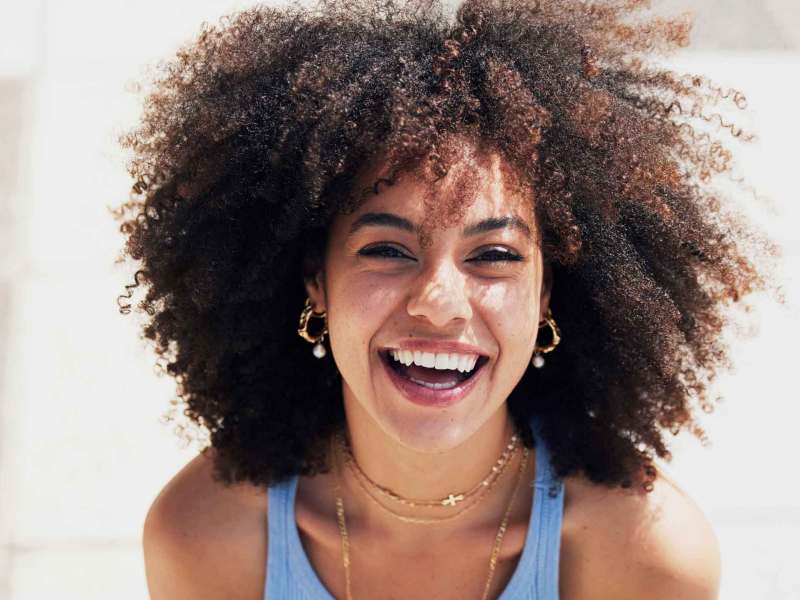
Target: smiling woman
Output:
[(503, 229), (400, 276)]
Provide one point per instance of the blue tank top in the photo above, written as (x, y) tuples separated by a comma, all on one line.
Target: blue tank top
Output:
[(290, 575)]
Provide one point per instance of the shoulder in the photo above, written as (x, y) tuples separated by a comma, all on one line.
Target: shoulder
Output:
[(626, 544), (204, 540)]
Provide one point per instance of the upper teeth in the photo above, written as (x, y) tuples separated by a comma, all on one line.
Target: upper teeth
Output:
[(436, 360)]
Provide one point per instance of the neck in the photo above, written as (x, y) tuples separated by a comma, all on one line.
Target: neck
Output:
[(428, 474)]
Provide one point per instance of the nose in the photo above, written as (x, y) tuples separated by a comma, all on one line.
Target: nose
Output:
[(440, 295)]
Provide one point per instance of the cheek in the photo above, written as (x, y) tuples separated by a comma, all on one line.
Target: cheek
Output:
[(358, 308), (366, 298), (511, 311)]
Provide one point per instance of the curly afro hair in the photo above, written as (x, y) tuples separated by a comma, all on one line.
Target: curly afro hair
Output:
[(250, 143)]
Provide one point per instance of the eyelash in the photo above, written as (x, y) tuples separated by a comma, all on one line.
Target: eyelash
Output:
[(378, 252)]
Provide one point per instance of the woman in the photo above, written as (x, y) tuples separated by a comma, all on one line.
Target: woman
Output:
[(437, 291)]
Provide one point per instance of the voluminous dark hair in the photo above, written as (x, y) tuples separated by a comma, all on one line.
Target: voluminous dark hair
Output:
[(251, 140)]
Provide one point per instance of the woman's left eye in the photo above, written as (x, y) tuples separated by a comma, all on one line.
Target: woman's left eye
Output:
[(497, 255)]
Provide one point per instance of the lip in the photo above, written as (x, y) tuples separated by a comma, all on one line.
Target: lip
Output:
[(423, 396)]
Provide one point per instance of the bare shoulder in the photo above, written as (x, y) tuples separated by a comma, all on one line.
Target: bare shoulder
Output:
[(628, 544), (204, 540)]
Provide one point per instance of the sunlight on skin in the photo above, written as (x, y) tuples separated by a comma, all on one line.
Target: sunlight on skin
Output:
[(439, 292)]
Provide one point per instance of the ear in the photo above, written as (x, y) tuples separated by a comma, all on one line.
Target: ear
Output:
[(315, 288), (547, 287)]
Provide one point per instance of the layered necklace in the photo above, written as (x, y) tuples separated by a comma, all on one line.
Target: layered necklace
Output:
[(478, 492)]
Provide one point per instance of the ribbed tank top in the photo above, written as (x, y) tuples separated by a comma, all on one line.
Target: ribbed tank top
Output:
[(290, 575)]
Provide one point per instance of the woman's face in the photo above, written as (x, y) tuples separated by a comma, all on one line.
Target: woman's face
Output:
[(472, 299)]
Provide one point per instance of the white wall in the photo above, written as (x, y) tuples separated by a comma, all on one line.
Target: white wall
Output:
[(82, 450)]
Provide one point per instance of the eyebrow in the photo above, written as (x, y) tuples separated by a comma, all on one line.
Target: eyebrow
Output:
[(384, 219)]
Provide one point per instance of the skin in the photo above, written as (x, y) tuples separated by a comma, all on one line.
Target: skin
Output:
[(461, 288), (204, 540)]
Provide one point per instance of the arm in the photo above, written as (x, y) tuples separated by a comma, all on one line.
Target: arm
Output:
[(683, 564), (627, 545), (204, 541)]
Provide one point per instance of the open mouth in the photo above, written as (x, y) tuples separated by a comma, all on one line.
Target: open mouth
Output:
[(430, 377)]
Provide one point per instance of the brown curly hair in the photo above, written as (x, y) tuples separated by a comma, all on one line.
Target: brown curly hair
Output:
[(252, 137)]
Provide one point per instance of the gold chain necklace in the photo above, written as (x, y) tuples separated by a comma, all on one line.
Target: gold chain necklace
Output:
[(451, 499), (495, 550), (428, 521)]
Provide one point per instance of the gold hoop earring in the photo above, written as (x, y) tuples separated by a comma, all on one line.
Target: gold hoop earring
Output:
[(538, 360), (302, 328)]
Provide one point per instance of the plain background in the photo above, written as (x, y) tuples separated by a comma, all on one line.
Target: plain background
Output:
[(83, 450)]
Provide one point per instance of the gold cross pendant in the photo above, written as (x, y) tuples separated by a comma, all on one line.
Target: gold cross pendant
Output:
[(452, 500)]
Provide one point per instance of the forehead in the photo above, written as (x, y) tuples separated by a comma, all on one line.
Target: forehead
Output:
[(477, 185)]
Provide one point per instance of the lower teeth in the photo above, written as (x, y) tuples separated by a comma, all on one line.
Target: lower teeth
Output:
[(434, 386)]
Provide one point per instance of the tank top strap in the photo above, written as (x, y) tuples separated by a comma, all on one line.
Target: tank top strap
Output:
[(277, 555), (548, 511), (289, 575), (545, 474), (536, 575)]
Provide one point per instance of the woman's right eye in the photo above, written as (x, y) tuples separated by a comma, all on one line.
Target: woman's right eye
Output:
[(383, 251)]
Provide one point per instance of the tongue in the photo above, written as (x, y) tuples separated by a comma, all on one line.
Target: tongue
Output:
[(433, 375)]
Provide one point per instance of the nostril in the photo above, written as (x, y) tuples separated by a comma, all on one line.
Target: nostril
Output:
[(440, 304)]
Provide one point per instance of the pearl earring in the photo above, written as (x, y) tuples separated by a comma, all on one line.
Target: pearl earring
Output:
[(302, 329)]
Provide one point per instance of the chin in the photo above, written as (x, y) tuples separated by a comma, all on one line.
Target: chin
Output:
[(432, 433)]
